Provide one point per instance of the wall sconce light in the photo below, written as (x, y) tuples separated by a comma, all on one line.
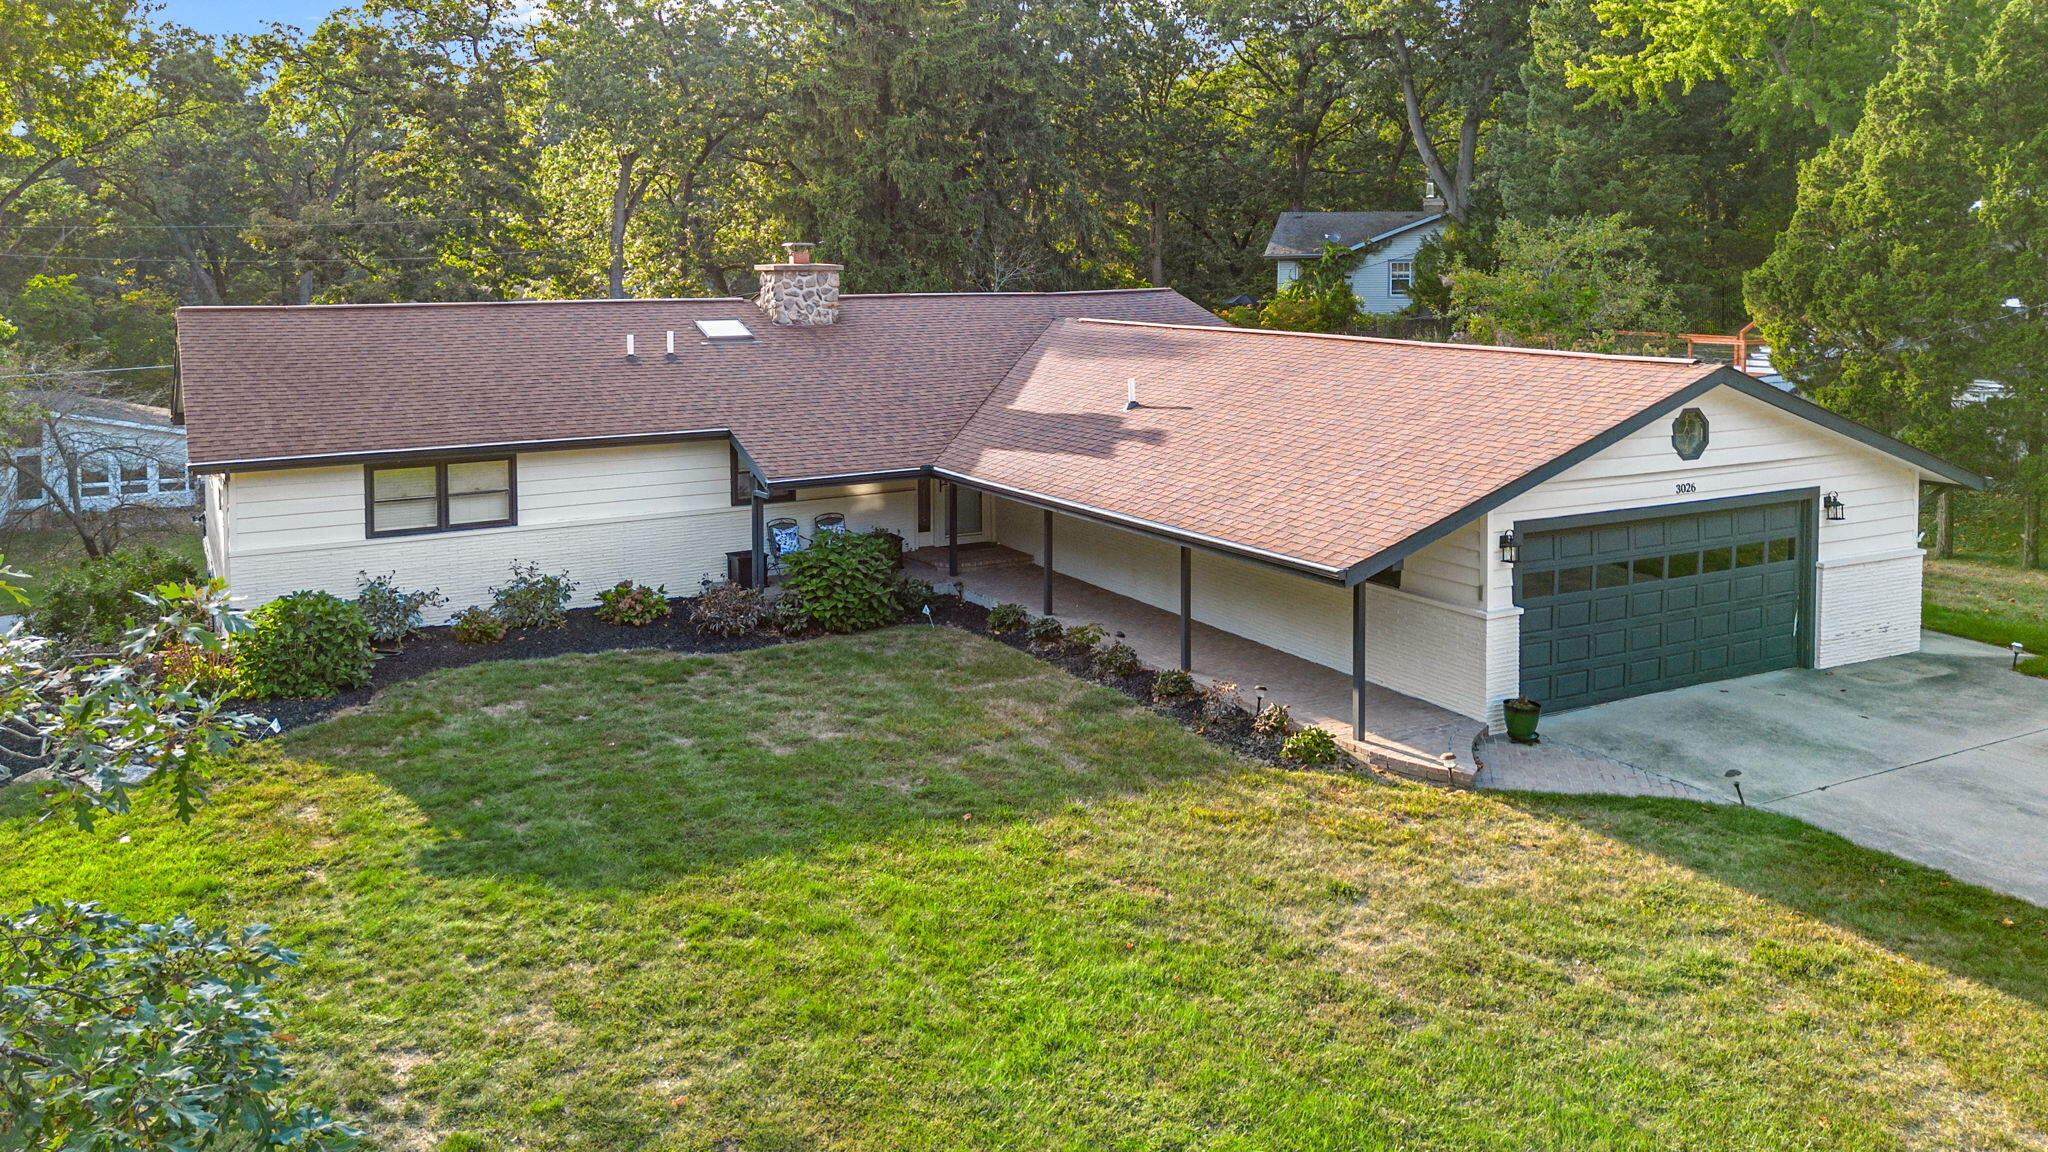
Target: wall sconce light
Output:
[(1510, 548), (1833, 506)]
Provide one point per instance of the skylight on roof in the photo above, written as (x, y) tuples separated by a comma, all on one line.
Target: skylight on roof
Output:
[(724, 330)]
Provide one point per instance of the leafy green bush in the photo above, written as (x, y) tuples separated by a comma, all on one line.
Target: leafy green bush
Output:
[(304, 644), (211, 672), (96, 601), (914, 595), (1172, 685), (1118, 660), (478, 625), (127, 1035), (1085, 637), (847, 580), (1310, 746), (790, 614), (632, 605), (1045, 631), (730, 609), (393, 613), (532, 599), (1005, 618), (1274, 720)]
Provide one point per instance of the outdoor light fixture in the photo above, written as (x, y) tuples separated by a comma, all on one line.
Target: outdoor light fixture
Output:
[(1510, 548), (1836, 510)]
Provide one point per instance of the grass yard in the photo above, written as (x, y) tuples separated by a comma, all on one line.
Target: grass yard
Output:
[(915, 890)]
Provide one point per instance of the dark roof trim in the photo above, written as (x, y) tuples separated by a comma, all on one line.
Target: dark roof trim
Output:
[(1741, 381), (382, 455), (1262, 556), (835, 479)]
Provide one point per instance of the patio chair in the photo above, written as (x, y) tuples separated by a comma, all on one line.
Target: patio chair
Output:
[(827, 522), (783, 539)]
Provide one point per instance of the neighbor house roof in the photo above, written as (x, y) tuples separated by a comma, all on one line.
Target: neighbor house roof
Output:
[(1300, 234), (67, 404), (884, 389)]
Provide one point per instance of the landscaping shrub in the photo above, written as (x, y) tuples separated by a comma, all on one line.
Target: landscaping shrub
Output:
[(210, 671), (1045, 631), (913, 595), (791, 616), (304, 644), (1085, 637), (1005, 618), (393, 613), (1273, 720), (1310, 746), (1224, 710), (847, 580), (478, 625), (632, 605), (1172, 686), (1118, 660), (96, 602), (730, 609), (532, 599)]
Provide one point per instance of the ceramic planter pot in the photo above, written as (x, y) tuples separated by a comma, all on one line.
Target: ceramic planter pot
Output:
[(1521, 718)]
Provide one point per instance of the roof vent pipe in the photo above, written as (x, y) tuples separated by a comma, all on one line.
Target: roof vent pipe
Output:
[(671, 353), (1131, 394), (630, 358)]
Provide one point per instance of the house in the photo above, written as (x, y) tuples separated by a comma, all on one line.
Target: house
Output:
[(1461, 524), (91, 455), (1389, 241)]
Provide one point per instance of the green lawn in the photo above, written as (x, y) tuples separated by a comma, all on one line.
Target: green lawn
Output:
[(915, 890), (44, 553)]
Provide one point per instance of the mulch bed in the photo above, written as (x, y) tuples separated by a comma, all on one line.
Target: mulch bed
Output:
[(434, 649)]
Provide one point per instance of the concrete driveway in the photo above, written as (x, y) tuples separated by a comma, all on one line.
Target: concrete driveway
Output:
[(1939, 757)]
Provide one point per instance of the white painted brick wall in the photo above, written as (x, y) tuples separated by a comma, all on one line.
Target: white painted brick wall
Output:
[(1868, 608)]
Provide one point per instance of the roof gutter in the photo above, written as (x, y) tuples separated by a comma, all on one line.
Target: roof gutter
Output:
[(379, 455)]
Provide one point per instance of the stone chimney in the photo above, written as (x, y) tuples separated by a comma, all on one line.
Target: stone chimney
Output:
[(1431, 201), (797, 291)]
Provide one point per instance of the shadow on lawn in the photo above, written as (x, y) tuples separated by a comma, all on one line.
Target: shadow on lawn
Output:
[(633, 769), (1909, 909)]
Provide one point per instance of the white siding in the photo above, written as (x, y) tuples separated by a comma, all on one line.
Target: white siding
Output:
[(659, 514), (1426, 639), (1869, 587)]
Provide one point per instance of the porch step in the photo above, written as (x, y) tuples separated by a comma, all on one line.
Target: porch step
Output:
[(1454, 764)]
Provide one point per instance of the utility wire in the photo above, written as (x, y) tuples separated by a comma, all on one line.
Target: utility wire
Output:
[(109, 227), (273, 260)]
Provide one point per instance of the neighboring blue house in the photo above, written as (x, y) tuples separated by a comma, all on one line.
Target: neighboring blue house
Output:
[(1381, 280)]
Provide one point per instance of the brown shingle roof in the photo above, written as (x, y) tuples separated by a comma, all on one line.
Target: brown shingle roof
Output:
[(883, 389), (1322, 449)]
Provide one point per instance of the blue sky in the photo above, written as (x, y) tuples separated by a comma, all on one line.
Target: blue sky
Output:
[(245, 16)]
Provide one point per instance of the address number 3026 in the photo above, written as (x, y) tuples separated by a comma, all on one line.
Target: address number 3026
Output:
[(1687, 489)]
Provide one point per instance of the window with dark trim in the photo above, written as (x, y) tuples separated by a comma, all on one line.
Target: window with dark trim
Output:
[(442, 496), (28, 478), (743, 482)]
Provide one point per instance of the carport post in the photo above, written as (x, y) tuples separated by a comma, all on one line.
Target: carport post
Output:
[(1048, 561), (1187, 603), (952, 529), (758, 571), (1358, 660)]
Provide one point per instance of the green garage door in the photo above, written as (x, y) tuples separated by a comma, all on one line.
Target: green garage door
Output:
[(1620, 609)]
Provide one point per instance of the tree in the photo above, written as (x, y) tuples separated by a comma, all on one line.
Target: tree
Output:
[(76, 456), (1674, 164), (115, 1034), (1568, 283)]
